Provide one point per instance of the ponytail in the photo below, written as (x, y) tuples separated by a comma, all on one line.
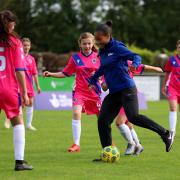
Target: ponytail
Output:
[(105, 28)]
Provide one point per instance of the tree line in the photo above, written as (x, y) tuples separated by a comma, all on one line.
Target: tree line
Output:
[(55, 25)]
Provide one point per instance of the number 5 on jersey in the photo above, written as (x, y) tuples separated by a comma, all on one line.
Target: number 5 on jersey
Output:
[(2, 63)]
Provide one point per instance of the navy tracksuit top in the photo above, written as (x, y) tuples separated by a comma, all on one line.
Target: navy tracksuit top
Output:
[(114, 66)]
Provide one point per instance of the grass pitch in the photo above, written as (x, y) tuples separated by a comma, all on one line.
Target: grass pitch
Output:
[(46, 150)]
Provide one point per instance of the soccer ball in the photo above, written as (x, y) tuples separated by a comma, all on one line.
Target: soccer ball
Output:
[(110, 154)]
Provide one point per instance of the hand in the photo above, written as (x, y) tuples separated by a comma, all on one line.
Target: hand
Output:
[(104, 86), (158, 69), (132, 68), (163, 90), (91, 87), (38, 90), (46, 74), (25, 99)]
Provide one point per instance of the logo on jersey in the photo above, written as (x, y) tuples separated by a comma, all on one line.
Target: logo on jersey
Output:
[(78, 60), (30, 60), (94, 61), (174, 62), (110, 54)]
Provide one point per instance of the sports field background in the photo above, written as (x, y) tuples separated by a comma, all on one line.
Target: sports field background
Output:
[(46, 150)]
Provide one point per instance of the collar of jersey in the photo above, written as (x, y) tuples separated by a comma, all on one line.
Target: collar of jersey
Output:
[(85, 54)]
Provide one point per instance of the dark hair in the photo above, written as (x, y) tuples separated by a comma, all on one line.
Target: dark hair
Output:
[(178, 42), (105, 28), (6, 16), (25, 39)]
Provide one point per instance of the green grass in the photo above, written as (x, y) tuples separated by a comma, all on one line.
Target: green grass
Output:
[(46, 150)]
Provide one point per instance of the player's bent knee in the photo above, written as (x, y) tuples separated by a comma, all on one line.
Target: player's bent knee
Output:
[(174, 109), (76, 115), (117, 124), (130, 125), (17, 120)]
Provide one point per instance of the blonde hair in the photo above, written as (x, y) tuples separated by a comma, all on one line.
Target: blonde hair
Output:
[(86, 35), (25, 39)]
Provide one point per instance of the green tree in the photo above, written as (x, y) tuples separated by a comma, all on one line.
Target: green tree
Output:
[(22, 8), (57, 24), (152, 24)]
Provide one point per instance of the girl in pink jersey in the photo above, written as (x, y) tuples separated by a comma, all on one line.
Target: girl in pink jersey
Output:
[(83, 64), (171, 88), (31, 74), (12, 68)]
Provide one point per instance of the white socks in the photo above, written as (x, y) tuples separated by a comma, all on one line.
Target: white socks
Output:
[(172, 120), (76, 130), (19, 141), (126, 133), (135, 137), (29, 115)]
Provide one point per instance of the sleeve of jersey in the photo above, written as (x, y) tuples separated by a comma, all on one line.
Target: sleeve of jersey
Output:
[(34, 69), (139, 69), (125, 53), (70, 68), (96, 76), (168, 66), (19, 61)]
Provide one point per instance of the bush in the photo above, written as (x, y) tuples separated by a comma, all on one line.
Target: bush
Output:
[(50, 61), (148, 56), (55, 62)]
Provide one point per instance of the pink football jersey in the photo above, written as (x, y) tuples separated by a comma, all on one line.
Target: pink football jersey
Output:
[(31, 70), (138, 71), (173, 67), (11, 60), (84, 67)]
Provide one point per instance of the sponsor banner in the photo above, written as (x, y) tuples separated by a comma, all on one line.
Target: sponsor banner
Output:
[(63, 101), (150, 86), (56, 84), (53, 101)]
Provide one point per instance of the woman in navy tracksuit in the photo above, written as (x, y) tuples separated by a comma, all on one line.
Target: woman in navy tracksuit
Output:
[(114, 67)]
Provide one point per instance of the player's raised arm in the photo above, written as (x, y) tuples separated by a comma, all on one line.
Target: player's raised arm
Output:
[(152, 68)]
